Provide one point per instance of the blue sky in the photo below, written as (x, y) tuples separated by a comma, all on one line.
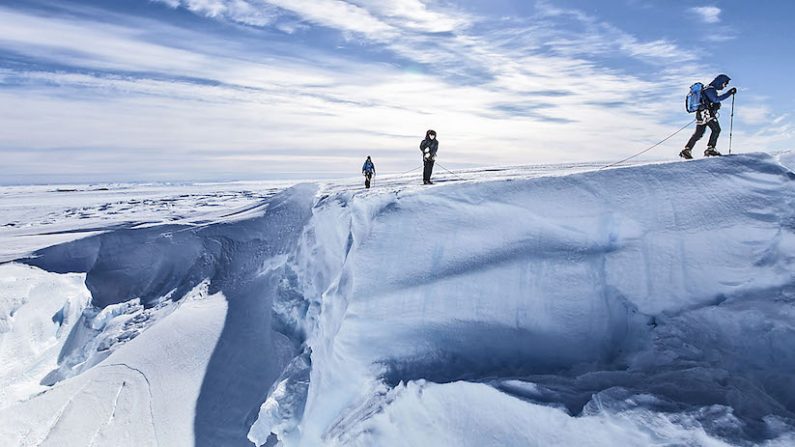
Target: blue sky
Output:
[(200, 90)]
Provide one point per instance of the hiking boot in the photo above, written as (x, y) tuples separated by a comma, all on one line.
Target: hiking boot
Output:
[(711, 152), (686, 154)]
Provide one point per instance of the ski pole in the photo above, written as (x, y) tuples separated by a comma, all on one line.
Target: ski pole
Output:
[(731, 126)]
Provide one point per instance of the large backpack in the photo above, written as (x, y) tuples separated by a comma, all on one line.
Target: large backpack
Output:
[(695, 99)]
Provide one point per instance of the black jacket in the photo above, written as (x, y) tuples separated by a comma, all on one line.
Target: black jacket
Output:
[(433, 145)]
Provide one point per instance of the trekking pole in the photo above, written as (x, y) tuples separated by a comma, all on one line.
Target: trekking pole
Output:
[(731, 126)]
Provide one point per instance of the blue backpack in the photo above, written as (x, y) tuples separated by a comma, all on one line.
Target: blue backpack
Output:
[(695, 99)]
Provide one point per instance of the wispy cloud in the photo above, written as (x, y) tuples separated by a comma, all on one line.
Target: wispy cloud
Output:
[(374, 18), (336, 14), (597, 37), (707, 14), (158, 96), (247, 12), (417, 16)]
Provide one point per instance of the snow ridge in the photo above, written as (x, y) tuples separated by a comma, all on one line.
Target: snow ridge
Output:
[(633, 306)]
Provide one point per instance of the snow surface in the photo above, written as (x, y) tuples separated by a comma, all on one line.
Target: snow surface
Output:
[(33, 217), (648, 305), (38, 310)]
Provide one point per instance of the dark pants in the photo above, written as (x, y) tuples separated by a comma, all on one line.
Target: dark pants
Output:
[(703, 121), (367, 177), (427, 171)]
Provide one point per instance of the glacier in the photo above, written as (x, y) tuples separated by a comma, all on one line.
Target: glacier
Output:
[(530, 305)]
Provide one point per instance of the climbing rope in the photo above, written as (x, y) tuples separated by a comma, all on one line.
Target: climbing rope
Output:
[(651, 147), (412, 170), (451, 172)]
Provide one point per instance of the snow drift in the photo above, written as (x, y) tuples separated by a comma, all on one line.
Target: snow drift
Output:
[(636, 306)]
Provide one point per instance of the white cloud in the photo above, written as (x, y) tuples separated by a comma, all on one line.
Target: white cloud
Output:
[(708, 14), (335, 14), (658, 49), (779, 119), (596, 37), (242, 11), (374, 18), (758, 114), (416, 15), (91, 44), (503, 92)]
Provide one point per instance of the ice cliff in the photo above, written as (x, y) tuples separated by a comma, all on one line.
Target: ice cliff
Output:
[(649, 305)]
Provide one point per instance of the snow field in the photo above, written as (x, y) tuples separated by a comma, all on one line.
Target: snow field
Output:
[(650, 305)]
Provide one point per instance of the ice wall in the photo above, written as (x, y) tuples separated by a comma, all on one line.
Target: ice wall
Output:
[(583, 293)]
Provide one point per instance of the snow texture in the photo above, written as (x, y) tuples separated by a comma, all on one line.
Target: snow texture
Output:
[(32, 217), (648, 305)]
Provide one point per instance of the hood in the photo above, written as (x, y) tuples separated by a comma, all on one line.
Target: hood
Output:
[(719, 80), (429, 132)]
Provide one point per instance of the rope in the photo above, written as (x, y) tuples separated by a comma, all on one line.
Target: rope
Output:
[(412, 170), (731, 127), (451, 172), (650, 148)]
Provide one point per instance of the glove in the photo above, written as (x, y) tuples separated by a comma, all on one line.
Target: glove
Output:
[(426, 156), (732, 91)]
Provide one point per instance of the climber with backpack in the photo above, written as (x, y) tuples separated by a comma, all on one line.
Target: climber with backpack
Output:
[(368, 171), (705, 101)]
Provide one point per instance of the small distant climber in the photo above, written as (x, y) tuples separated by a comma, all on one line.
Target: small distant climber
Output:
[(368, 170), (428, 146), (707, 116)]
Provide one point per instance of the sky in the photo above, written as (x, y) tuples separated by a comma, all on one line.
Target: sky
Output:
[(222, 90)]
